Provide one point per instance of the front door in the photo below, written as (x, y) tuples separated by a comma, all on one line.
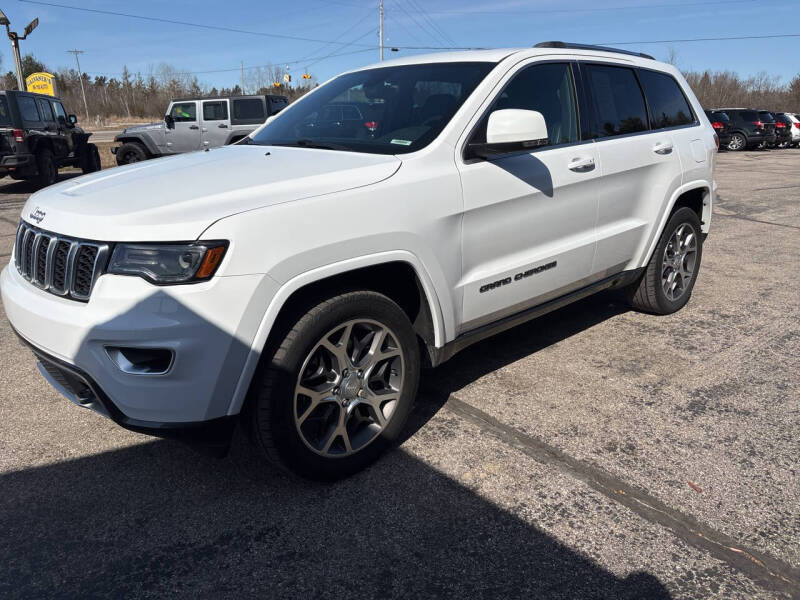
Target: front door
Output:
[(185, 135), (216, 126), (528, 225)]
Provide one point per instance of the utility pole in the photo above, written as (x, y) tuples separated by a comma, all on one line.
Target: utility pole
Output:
[(380, 25), (15, 38), (241, 68), (80, 76)]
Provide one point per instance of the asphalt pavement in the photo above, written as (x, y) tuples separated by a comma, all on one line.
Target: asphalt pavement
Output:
[(593, 453)]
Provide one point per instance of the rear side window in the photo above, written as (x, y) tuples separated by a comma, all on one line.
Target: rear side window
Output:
[(616, 100), (215, 111), (44, 108), (5, 118), (249, 109), (668, 106), (719, 116), (545, 88), (27, 108), (766, 117)]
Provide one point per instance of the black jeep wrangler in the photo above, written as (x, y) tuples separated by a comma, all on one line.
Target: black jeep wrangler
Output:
[(37, 137)]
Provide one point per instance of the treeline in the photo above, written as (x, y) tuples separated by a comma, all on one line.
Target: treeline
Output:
[(727, 89), (137, 95)]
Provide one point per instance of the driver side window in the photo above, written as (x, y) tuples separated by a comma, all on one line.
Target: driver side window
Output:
[(184, 112), (546, 88)]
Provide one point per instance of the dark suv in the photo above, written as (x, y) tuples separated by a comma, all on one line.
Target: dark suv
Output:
[(37, 136), (783, 130), (722, 126), (748, 130)]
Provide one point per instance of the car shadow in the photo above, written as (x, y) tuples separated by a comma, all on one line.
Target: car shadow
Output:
[(12, 186), (157, 519)]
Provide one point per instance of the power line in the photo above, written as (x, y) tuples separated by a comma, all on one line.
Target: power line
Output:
[(707, 39), (540, 11), (219, 27), (447, 39)]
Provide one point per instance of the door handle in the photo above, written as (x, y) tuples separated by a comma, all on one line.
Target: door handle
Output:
[(222, 126), (193, 127), (663, 148), (581, 164)]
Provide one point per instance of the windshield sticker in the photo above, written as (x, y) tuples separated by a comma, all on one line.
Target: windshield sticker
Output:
[(402, 142)]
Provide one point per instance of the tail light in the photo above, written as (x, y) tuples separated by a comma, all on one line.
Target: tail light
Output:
[(780, 124), (19, 135), (717, 125), (759, 124), (371, 125), (716, 140), (797, 124)]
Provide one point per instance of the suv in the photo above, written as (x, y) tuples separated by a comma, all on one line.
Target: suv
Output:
[(793, 122), (722, 126), (196, 124), (748, 130), (297, 283), (783, 129), (37, 136)]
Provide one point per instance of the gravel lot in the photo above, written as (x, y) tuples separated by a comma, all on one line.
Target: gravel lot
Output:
[(593, 453)]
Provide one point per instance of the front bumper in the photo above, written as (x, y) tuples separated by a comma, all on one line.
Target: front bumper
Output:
[(208, 326)]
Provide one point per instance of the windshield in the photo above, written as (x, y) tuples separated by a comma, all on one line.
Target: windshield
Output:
[(389, 110)]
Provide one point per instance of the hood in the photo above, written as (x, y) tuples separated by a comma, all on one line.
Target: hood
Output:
[(145, 127), (177, 198)]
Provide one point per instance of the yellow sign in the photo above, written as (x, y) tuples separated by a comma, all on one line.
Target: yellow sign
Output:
[(41, 83)]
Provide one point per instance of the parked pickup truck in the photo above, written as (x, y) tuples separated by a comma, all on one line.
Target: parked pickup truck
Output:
[(195, 124), (37, 136)]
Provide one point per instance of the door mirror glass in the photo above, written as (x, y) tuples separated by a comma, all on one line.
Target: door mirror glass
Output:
[(170, 122), (512, 130), (73, 120)]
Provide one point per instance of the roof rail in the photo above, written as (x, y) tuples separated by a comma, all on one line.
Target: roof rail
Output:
[(590, 47)]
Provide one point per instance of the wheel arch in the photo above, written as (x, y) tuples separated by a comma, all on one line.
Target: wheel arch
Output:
[(697, 195), (398, 274), (148, 145)]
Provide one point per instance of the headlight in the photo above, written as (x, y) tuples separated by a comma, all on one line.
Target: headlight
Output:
[(168, 263)]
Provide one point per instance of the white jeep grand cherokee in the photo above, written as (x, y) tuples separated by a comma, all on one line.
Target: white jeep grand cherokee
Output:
[(299, 281)]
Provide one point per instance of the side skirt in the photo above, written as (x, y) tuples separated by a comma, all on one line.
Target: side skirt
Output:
[(466, 339)]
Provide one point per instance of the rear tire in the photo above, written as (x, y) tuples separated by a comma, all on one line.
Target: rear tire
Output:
[(90, 161), (337, 390), (668, 280), (737, 143), (130, 152), (47, 171)]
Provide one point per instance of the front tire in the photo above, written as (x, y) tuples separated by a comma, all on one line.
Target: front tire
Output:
[(91, 159), (668, 280), (337, 391), (129, 153)]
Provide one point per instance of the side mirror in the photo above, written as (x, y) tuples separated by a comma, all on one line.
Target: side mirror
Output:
[(169, 121), (73, 120), (512, 130)]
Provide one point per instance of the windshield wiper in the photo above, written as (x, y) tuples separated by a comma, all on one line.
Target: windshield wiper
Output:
[(306, 143)]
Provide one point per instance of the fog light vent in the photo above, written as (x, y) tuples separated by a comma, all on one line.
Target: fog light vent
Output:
[(141, 361)]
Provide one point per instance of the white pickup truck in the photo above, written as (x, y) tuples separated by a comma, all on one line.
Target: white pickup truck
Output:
[(297, 283)]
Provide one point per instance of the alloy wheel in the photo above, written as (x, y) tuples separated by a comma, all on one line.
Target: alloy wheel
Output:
[(736, 142), (348, 388), (678, 264)]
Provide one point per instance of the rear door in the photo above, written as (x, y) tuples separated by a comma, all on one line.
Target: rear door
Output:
[(185, 136), (639, 167), (216, 125)]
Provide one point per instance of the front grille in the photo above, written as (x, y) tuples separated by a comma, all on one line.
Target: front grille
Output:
[(58, 264)]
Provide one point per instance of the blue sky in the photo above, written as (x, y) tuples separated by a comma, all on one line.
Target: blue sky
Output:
[(110, 42)]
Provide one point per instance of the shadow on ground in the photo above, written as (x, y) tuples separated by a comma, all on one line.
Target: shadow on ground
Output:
[(11, 186), (158, 519)]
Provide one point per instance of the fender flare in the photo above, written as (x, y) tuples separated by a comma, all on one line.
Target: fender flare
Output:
[(708, 205), (149, 145), (286, 290)]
